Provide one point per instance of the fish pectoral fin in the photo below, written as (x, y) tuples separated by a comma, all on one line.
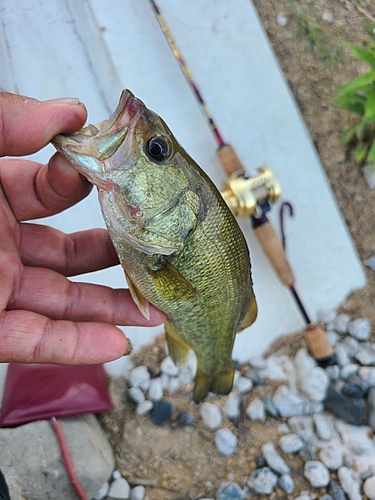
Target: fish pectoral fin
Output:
[(178, 349), (250, 315), (170, 283), (138, 298), (219, 383)]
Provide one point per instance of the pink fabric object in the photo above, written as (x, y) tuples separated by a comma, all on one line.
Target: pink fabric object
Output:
[(38, 392)]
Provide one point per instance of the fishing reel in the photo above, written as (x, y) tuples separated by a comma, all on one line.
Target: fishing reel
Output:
[(251, 195)]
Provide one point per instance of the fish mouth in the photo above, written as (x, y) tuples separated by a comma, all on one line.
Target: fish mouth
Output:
[(91, 148)]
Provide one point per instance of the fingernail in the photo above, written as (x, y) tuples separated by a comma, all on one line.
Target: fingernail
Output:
[(129, 348), (64, 100)]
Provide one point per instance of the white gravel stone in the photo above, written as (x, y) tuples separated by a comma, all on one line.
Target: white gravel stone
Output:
[(341, 355), (303, 427), (136, 395), (340, 323), (192, 362), (333, 372), (283, 428), (211, 415), (231, 407), (164, 380), (243, 384), (366, 355), (155, 391), (303, 362), (360, 328), (348, 483), (119, 489), (173, 384), (369, 488), (327, 16), (351, 346), (348, 370), (287, 403), (168, 367), (370, 262), (185, 375), (290, 443), (137, 493), (369, 174), (324, 426), (331, 456), (279, 368), (103, 492), (286, 483), (314, 384), (274, 460), (332, 337), (282, 20), (139, 376), (367, 374), (258, 362), (326, 315), (316, 473), (144, 408), (226, 441), (256, 411), (262, 481)]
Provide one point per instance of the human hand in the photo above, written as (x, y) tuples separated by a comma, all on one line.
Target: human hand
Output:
[(44, 317)]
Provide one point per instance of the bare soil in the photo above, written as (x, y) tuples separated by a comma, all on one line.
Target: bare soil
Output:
[(181, 463)]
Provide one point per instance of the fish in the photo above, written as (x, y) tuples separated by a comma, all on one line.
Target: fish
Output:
[(179, 244)]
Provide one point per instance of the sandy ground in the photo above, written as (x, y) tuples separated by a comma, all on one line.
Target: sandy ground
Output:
[(183, 463)]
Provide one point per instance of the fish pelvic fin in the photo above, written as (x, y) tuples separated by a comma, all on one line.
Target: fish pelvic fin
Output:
[(178, 349), (219, 383), (250, 315), (138, 298)]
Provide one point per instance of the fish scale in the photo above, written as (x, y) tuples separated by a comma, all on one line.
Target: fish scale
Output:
[(180, 246)]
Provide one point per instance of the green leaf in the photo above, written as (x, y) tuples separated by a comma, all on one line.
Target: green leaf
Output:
[(354, 103), (371, 153), (360, 153), (365, 55), (360, 129), (347, 135), (357, 84), (370, 107)]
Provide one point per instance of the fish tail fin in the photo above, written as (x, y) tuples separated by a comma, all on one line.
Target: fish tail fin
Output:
[(178, 349), (219, 383)]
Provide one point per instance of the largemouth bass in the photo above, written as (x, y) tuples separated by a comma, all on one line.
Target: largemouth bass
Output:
[(180, 246)]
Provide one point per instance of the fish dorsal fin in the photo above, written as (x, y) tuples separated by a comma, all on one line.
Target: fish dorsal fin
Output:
[(250, 315), (138, 298), (170, 283)]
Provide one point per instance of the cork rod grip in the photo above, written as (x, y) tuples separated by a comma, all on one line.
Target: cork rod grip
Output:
[(318, 343), (273, 248), (229, 160)]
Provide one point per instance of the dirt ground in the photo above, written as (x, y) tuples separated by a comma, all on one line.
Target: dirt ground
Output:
[(181, 463)]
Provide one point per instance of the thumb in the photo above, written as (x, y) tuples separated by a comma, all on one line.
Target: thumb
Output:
[(27, 125)]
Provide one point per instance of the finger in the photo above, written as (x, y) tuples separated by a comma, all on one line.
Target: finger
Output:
[(34, 191), (48, 293), (26, 337), (27, 125), (68, 254)]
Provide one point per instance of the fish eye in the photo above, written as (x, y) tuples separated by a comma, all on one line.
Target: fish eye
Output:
[(157, 148)]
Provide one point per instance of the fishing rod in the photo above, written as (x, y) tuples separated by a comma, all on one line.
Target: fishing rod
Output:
[(251, 196)]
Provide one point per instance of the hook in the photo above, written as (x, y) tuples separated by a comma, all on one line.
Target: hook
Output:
[(284, 205)]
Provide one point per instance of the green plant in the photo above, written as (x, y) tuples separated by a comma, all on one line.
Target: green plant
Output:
[(358, 97)]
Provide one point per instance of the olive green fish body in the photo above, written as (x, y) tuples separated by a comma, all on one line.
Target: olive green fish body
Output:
[(179, 244)]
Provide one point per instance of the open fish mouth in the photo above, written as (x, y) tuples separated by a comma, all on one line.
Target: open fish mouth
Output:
[(91, 148)]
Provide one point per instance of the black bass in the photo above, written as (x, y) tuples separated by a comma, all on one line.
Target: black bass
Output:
[(179, 244)]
